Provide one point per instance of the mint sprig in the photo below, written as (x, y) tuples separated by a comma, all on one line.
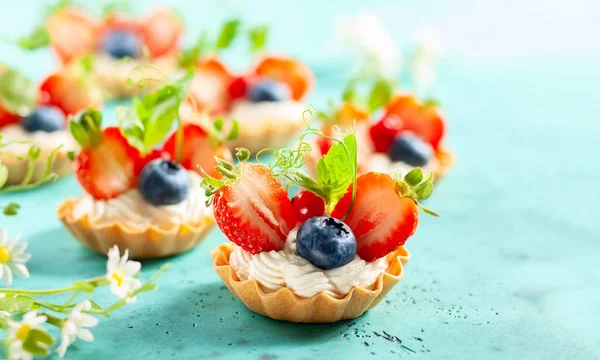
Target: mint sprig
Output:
[(257, 36), (37, 39), (86, 128), (151, 118), (18, 94), (228, 32)]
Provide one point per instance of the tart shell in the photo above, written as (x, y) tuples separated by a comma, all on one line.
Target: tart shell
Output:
[(283, 304), (17, 169), (264, 135), (149, 242)]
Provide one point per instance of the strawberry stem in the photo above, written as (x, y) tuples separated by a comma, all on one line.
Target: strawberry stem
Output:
[(413, 186)]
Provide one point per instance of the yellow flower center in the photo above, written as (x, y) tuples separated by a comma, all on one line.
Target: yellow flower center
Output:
[(23, 332), (118, 277), (4, 254)]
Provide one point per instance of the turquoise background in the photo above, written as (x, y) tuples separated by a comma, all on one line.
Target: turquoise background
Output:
[(510, 269)]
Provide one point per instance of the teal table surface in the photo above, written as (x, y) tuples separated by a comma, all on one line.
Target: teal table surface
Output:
[(509, 270)]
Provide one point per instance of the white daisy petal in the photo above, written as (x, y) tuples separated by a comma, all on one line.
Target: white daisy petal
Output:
[(19, 249), (20, 270)]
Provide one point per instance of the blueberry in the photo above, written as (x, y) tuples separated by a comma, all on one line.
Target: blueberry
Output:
[(44, 118), (120, 44), (326, 242), (269, 90), (163, 182), (410, 149)]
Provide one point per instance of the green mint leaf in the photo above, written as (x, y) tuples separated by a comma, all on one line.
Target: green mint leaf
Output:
[(227, 34), (38, 38), (157, 112), (16, 303), (336, 170), (37, 342), (235, 131), (131, 126), (188, 56), (296, 177), (258, 37), (18, 94), (380, 94), (86, 127)]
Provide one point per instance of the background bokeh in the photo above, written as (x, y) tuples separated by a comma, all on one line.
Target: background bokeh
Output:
[(510, 269)]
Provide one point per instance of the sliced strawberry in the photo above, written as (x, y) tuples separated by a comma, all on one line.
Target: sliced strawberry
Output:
[(162, 31), (253, 210), (424, 120), (349, 113), (198, 149), (295, 74), (381, 219), (209, 88), (69, 92), (384, 132), (238, 87), (106, 169), (72, 33)]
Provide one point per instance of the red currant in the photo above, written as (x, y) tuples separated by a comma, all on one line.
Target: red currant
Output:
[(306, 205), (238, 87), (324, 144), (384, 131)]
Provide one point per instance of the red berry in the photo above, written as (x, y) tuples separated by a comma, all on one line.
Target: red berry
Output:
[(253, 210), (424, 120), (198, 150), (384, 131), (107, 169), (381, 219), (162, 31), (324, 144), (306, 205), (69, 93), (7, 118), (238, 87)]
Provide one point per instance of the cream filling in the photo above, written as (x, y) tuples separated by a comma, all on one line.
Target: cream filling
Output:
[(131, 209), (276, 269), (47, 141), (253, 117)]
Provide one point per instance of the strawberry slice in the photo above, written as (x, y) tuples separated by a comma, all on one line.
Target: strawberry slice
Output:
[(105, 167), (198, 149), (251, 206), (161, 31), (69, 92), (72, 33), (7, 118), (295, 74), (424, 120), (209, 89), (348, 113), (385, 212)]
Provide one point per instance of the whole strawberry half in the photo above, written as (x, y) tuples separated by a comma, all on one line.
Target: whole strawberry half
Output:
[(424, 120), (72, 33), (69, 92), (251, 207), (162, 31), (198, 149), (385, 212), (106, 165)]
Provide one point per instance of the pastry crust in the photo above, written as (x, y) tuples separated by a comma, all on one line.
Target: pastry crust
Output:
[(265, 135), (283, 304), (149, 242), (17, 169)]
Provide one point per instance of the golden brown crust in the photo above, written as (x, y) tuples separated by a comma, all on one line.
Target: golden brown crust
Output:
[(267, 135), (445, 160), (283, 304), (149, 242), (17, 169)]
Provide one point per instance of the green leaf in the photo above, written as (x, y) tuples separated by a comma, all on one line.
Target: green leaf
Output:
[(258, 37), (336, 169), (3, 174), (16, 303), (38, 38), (131, 126), (227, 34), (380, 94), (37, 342), (84, 286), (298, 178), (18, 94), (234, 132), (157, 112), (86, 128), (414, 177), (11, 209), (218, 124), (71, 155), (188, 56)]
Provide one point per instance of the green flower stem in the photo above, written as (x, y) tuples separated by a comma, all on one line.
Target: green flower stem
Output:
[(53, 320), (96, 282)]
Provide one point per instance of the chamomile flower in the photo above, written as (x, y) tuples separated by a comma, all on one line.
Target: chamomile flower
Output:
[(121, 273), (12, 258), (76, 326), (18, 331), (369, 38)]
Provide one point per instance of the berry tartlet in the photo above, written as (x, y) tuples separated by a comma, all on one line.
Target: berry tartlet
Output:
[(122, 48), (37, 115), (266, 100), (403, 134), (141, 181), (330, 253)]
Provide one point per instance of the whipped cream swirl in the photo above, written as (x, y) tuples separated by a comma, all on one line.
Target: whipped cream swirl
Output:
[(285, 268), (131, 209)]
